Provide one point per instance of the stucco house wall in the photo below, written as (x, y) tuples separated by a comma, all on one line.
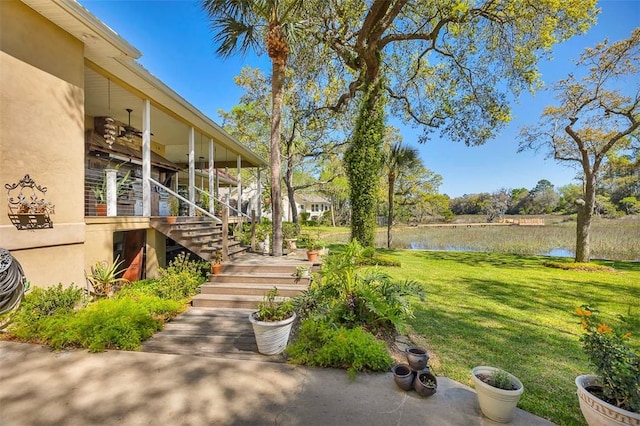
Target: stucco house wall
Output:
[(42, 135)]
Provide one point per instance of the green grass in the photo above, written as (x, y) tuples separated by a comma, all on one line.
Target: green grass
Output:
[(512, 312)]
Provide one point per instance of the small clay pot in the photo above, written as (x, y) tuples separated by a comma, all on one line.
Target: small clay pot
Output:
[(403, 376), (425, 383), (417, 358)]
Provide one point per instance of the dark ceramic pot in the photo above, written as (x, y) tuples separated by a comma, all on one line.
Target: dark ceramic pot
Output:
[(403, 376), (417, 358), (425, 383)]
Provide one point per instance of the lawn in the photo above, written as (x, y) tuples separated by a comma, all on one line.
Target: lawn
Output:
[(512, 312)]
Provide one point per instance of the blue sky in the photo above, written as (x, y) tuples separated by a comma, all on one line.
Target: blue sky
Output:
[(176, 47)]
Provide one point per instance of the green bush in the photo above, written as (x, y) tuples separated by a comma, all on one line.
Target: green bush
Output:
[(42, 303), (319, 344), (178, 281), (349, 295), (121, 323)]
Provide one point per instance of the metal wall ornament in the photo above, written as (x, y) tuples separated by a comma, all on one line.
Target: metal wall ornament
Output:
[(28, 209)]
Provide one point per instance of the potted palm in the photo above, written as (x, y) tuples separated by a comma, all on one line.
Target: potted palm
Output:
[(498, 392), (272, 323), (612, 396)]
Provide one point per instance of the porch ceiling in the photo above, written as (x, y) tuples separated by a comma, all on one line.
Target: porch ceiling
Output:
[(128, 84)]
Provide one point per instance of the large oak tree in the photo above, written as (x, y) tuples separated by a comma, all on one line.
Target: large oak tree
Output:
[(597, 113), (439, 64)]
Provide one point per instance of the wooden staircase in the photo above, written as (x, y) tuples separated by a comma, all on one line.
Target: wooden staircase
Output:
[(243, 283), (217, 324), (199, 234)]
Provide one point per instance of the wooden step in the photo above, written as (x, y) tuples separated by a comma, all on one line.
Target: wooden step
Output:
[(258, 278), (228, 301), (238, 267), (285, 290)]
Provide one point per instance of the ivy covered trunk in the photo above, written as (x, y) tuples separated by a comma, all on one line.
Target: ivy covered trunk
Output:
[(363, 161)]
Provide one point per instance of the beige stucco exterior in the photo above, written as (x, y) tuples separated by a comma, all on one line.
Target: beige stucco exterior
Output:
[(42, 135), (61, 68)]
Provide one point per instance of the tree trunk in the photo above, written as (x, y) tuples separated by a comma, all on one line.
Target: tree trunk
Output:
[(291, 193), (277, 91), (392, 182), (585, 214)]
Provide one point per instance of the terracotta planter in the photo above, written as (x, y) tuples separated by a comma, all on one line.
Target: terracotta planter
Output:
[(425, 383), (216, 268), (271, 337), (598, 412), (403, 376), (101, 209), (417, 358), (171, 219), (312, 255), (497, 404)]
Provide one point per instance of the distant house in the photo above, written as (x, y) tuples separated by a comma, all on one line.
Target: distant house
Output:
[(315, 205)]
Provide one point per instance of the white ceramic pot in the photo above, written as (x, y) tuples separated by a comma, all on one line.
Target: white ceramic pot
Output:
[(598, 412), (497, 404), (271, 336)]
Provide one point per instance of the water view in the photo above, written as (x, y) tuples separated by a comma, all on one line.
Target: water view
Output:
[(610, 239)]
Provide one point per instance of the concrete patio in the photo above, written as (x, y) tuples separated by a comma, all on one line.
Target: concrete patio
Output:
[(41, 387)]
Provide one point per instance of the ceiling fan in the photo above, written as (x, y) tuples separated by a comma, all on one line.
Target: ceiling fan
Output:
[(128, 130)]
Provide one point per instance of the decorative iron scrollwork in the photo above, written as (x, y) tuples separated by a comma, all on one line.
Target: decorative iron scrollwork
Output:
[(28, 208)]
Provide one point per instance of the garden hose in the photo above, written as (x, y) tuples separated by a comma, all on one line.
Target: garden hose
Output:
[(13, 282)]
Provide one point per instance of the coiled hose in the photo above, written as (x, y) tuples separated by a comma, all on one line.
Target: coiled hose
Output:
[(13, 282)]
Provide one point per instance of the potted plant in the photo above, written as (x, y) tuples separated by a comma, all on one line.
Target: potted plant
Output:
[(303, 271), (100, 191), (174, 209), (612, 395), (498, 392), (216, 262), (313, 247), (425, 383), (104, 278), (272, 323)]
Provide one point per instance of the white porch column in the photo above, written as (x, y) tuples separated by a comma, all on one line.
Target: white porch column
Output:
[(211, 176), (146, 158), (239, 165), (111, 176), (192, 171)]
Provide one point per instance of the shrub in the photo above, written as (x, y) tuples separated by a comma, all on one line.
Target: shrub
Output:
[(351, 296), (322, 345), (178, 281), (119, 323), (42, 303)]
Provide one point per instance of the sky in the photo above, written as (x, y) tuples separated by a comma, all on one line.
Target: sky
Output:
[(175, 41)]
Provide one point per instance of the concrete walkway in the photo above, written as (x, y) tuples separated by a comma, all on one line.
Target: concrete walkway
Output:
[(41, 387)]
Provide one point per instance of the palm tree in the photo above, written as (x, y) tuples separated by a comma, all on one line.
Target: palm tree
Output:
[(240, 25), (398, 160)]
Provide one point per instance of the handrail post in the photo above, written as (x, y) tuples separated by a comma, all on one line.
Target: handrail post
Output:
[(253, 230), (225, 234)]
